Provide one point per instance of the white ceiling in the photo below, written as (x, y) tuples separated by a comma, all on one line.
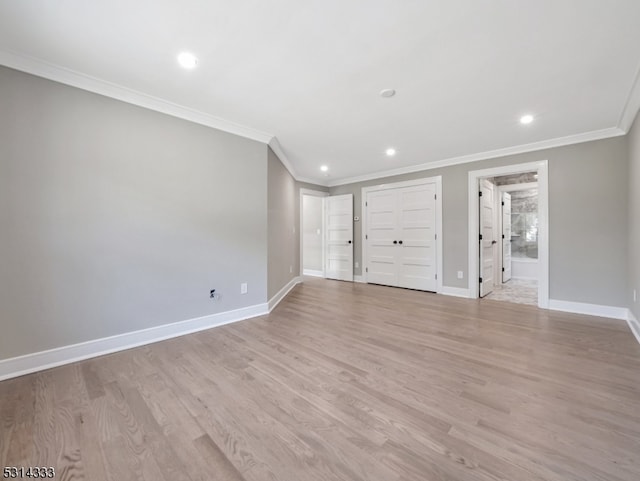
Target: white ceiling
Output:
[(309, 72)]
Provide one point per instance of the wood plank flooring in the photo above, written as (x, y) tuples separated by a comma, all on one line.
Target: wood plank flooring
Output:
[(345, 382)]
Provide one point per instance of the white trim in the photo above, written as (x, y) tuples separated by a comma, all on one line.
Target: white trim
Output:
[(359, 279), (82, 81), (634, 325), (491, 154), (275, 300), (455, 291), (589, 309), (39, 361), (316, 193), (394, 185), (277, 149), (631, 105), (526, 260), (312, 273), (520, 278), (541, 168)]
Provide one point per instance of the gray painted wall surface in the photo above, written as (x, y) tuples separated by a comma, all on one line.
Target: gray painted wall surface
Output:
[(115, 218), (312, 232), (634, 217), (283, 226), (587, 218)]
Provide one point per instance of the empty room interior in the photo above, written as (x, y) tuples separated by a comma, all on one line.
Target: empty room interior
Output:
[(291, 241)]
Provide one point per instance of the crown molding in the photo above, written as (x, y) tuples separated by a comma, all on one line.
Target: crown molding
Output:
[(491, 154), (95, 85), (82, 81), (631, 106), (277, 149)]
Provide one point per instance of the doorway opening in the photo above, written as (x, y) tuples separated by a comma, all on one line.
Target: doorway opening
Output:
[(312, 232), (508, 234)]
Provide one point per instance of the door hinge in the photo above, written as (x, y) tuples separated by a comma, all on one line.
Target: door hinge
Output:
[(481, 280), (503, 269), (366, 236), (480, 193), (436, 236), (503, 236), (436, 276), (435, 196), (503, 203), (366, 204), (366, 269), (480, 236)]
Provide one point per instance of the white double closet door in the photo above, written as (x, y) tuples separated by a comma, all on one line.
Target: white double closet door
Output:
[(401, 237)]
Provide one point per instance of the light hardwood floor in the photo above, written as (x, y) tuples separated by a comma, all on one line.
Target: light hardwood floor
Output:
[(345, 382)]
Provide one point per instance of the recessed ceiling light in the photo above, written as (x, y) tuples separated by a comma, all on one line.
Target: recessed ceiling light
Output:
[(387, 93), (526, 119), (324, 168), (390, 152), (187, 60)]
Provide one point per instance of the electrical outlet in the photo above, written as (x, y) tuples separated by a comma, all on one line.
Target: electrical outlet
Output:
[(357, 264), (460, 275), (243, 288)]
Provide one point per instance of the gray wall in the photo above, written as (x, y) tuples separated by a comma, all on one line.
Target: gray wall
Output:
[(634, 217), (587, 218), (115, 218), (312, 232), (283, 229)]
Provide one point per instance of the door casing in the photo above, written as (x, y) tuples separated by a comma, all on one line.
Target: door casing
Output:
[(542, 169)]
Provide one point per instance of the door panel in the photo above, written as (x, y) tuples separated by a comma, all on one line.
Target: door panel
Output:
[(417, 230), (339, 245), (487, 241), (381, 225), (506, 236)]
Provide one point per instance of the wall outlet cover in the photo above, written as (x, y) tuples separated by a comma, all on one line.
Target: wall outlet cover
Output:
[(460, 275), (243, 288)]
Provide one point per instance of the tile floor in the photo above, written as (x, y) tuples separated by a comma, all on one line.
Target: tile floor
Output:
[(516, 290)]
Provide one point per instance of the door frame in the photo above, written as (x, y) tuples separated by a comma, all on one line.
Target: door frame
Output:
[(409, 183), (542, 169), (314, 193)]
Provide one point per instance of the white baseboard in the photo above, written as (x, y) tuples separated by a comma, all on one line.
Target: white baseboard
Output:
[(312, 273), (634, 325), (589, 309), (359, 279), (38, 361), (455, 291), (275, 300)]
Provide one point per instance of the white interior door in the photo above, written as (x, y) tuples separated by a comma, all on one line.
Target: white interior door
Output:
[(506, 236), (339, 244), (381, 237), (416, 248), (487, 237)]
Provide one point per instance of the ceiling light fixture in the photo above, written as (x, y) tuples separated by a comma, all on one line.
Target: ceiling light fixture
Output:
[(324, 168), (387, 93), (187, 60), (390, 152), (526, 119)]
